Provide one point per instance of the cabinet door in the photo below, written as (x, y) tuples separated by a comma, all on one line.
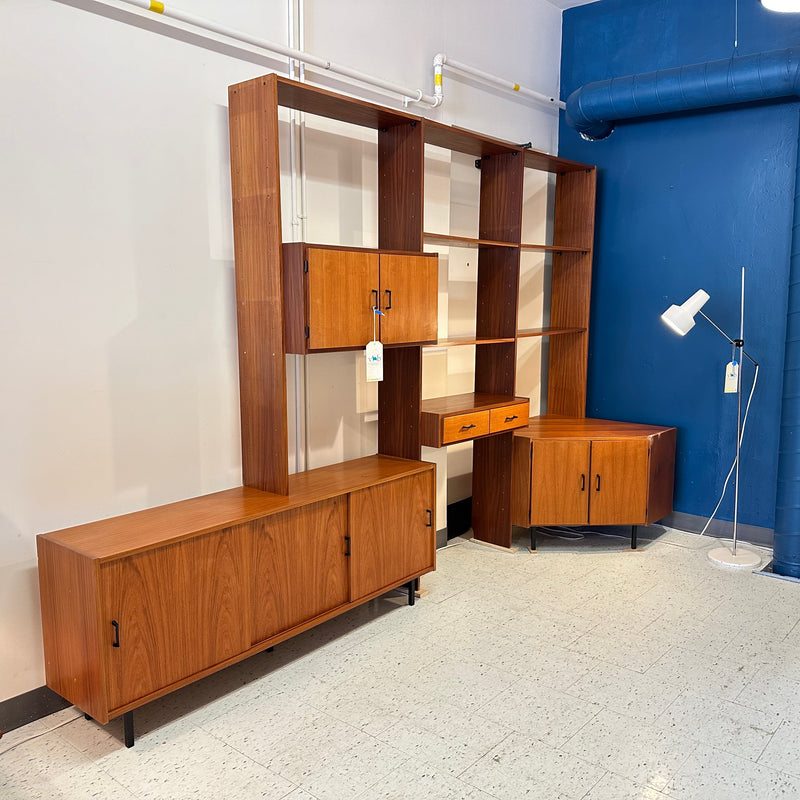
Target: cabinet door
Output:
[(560, 482), (299, 566), (619, 482), (409, 297), (392, 532), (342, 287), (178, 610)]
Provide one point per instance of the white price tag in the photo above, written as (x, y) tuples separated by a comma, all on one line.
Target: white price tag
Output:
[(374, 361), (731, 377)]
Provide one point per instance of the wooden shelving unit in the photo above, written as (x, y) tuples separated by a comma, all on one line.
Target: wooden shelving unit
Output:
[(401, 411)]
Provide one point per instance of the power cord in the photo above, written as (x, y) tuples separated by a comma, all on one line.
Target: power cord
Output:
[(37, 735)]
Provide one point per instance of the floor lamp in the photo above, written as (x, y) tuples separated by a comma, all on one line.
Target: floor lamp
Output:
[(681, 320)]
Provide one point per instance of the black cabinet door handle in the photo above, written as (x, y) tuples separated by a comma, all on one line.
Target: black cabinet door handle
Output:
[(375, 296), (583, 482), (388, 299), (115, 626), (347, 545), (430, 518), (597, 487)]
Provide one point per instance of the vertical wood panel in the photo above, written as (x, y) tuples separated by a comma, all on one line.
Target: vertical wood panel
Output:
[(413, 283), (662, 475), (401, 158), (68, 594), (520, 481), (294, 298), (180, 609), (495, 368), (622, 494), (391, 539), (560, 482), (299, 567), (500, 217), (498, 290), (400, 402), (491, 489), (255, 186)]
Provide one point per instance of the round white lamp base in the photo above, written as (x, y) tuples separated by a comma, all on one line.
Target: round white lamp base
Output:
[(744, 558)]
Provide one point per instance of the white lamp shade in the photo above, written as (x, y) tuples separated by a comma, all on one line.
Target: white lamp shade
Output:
[(681, 318), (788, 6)]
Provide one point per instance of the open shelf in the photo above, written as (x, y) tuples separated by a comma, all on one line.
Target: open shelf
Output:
[(446, 240), (555, 248), (528, 332), (459, 341)]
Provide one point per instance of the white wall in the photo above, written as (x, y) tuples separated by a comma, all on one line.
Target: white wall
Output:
[(117, 315)]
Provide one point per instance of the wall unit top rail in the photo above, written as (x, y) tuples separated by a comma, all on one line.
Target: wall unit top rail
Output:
[(325, 103), (126, 535)]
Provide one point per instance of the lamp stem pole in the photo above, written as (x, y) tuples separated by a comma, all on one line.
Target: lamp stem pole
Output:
[(739, 347)]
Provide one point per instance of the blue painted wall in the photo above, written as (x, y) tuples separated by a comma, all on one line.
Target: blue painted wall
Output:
[(684, 202)]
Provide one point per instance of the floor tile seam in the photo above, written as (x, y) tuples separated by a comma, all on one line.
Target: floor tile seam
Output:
[(120, 784), (764, 749)]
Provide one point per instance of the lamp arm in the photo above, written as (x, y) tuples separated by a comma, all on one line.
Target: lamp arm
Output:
[(736, 342)]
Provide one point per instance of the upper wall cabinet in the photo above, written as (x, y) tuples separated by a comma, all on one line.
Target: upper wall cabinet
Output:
[(330, 294)]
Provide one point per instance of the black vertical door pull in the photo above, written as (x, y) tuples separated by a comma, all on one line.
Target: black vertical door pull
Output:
[(115, 626), (597, 488)]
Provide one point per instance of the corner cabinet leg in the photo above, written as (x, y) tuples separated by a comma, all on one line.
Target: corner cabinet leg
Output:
[(127, 725), (411, 596), (633, 537), (533, 538)]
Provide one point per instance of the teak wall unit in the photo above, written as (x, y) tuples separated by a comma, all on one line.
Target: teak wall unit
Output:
[(266, 271)]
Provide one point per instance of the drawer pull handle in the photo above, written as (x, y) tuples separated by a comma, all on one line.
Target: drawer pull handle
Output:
[(511, 419), (583, 482), (430, 518), (115, 626), (468, 427)]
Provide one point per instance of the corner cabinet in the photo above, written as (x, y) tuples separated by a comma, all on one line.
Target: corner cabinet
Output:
[(136, 606), (592, 472)]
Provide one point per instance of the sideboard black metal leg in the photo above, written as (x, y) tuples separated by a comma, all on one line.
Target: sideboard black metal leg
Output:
[(270, 649), (533, 538), (633, 537), (86, 716), (127, 725), (411, 595)]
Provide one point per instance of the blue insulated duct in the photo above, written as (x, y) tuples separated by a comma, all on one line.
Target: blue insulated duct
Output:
[(592, 111)]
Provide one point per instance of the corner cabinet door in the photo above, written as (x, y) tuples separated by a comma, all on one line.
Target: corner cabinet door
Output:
[(299, 566), (170, 613), (342, 288), (409, 297), (392, 532), (560, 482), (619, 482)]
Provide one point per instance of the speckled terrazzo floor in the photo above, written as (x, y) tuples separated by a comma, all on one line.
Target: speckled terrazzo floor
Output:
[(582, 672)]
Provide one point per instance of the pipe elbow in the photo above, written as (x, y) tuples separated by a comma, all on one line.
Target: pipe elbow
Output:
[(589, 126)]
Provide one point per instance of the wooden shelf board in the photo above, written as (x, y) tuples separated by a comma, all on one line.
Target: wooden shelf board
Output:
[(528, 332), (464, 403), (142, 530), (446, 240), (464, 141), (556, 426), (458, 341), (548, 163), (322, 103), (553, 248)]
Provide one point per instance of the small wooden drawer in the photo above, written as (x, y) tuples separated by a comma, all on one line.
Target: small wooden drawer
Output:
[(508, 417), (465, 426)]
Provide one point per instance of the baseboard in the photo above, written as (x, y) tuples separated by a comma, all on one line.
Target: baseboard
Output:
[(441, 538), (28, 707), (719, 528)]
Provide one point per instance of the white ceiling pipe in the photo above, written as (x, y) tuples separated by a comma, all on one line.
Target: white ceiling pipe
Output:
[(408, 95), (440, 60)]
